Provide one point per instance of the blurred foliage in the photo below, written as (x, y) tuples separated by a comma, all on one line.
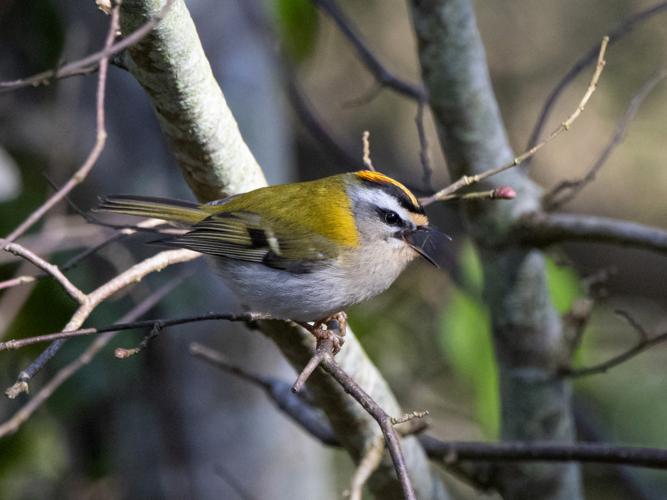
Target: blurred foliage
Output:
[(466, 341), (564, 286), (466, 336), (297, 26), (29, 459)]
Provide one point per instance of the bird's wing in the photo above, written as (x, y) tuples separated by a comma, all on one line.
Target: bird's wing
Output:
[(245, 236)]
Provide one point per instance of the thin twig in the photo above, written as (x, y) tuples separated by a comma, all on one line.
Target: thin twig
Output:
[(384, 77), (368, 464), (148, 225), (47, 267), (318, 427), (313, 123), (321, 351), (380, 416), (292, 404), (645, 341), (12, 424), (500, 193), (566, 191), (89, 63), (153, 324), (127, 278), (377, 69), (563, 127), (621, 29), (365, 141), (100, 138)]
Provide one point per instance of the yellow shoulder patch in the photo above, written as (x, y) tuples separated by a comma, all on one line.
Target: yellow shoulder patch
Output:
[(374, 176)]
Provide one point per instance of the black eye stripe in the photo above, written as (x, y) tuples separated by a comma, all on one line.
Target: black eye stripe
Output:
[(390, 217)]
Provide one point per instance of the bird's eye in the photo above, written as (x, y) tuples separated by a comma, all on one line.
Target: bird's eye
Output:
[(391, 218)]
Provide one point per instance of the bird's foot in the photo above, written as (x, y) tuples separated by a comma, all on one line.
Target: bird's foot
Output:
[(332, 328)]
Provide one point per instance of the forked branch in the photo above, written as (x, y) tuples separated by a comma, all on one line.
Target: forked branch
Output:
[(467, 180)]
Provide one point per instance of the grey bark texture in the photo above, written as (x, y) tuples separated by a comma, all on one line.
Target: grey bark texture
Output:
[(527, 331), (192, 112)]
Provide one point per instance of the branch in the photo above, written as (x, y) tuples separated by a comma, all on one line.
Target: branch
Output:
[(367, 465), (621, 29), (100, 138), (466, 180), (381, 74), (449, 452), (567, 190), (188, 102), (48, 268), (324, 357), (12, 424), (92, 62), (117, 327), (316, 127), (499, 193), (292, 404), (526, 327), (385, 78), (644, 342), (127, 278), (542, 229), (215, 160), (300, 411)]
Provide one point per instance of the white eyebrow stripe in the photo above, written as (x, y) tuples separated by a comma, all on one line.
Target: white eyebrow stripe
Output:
[(384, 200)]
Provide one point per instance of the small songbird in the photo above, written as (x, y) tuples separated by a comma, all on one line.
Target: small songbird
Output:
[(303, 251)]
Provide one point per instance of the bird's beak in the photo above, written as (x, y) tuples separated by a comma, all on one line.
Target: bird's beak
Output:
[(428, 242)]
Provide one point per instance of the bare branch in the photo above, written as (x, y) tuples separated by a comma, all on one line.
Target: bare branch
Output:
[(292, 404), (451, 452), (541, 229), (100, 139), (563, 127), (92, 62), (380, 416), (367, 465), (22, 415), (567, 190), (499, 193), (153, 324), (385, 78), (315, 126), (127, 278), (645, 341), (45, 266), (622, 29), (381, 74)]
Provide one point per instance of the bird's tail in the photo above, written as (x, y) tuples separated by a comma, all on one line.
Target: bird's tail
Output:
[(159, 208)]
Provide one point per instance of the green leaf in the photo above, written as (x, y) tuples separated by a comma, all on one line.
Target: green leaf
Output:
[(297, 25)]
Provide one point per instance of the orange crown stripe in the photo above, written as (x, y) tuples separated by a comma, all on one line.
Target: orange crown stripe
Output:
[(374, 176)]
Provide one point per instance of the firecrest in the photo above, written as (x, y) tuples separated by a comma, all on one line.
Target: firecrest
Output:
[(302, 251)]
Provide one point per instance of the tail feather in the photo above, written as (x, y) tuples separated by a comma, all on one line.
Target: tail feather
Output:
[(158, 208)]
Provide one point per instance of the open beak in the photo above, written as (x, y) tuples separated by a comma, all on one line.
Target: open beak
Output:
[(428, 242)]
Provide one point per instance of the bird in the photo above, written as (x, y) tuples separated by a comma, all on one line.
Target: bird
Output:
[(302, 251)]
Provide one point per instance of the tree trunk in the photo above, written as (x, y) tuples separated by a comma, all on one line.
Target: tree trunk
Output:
[(536, 405)]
